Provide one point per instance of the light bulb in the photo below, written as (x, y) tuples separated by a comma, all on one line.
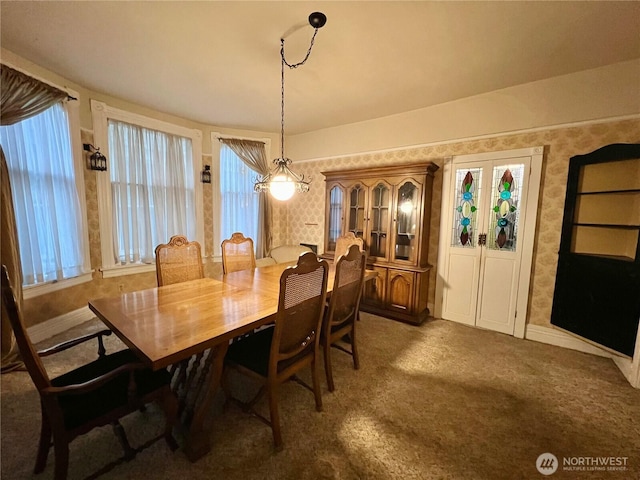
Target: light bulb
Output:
[(282, 187), (406, 207)]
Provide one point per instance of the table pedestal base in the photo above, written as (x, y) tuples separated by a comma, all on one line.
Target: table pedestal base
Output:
[(196, 382)]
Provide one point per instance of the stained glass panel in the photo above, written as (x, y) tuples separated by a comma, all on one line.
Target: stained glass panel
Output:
[(505, 207), (467, 188)]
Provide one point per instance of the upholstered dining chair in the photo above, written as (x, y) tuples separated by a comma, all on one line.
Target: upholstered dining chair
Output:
[(345, 241), (275, 355), (237, 253), (178, 261), (344, 304), (93, 395)]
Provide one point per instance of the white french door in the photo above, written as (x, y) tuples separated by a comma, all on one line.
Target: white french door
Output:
[(486, 242)]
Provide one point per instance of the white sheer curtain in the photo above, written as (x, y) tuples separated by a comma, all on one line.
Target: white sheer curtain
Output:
[(239, 209), (47, 209), (153, 190)]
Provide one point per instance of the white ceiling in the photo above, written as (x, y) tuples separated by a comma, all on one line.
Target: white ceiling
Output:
[(218, 62)]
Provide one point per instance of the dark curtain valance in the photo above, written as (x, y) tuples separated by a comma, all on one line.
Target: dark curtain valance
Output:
[(23, 96)]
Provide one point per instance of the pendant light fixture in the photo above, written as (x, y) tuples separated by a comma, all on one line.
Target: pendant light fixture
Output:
[(282, 182)]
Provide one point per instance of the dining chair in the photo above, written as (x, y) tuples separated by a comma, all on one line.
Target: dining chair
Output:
[(343, 243), (92, 395), (178, 261), (339, 326), (237, 253), (276, 355)]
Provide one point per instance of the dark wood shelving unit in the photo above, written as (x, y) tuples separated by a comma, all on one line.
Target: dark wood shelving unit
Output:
[(597, 290)]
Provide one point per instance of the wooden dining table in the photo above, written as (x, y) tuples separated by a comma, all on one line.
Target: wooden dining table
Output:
[(169, 325)]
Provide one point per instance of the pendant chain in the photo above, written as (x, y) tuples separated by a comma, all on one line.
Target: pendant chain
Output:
[(290, 65)]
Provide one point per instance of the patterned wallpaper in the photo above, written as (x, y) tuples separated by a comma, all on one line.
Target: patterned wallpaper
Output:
[(302, 219), (305, 213)]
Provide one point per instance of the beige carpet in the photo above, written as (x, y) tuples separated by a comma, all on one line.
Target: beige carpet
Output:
[(439, 401)]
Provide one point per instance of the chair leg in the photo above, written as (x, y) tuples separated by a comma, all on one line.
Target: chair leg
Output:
[(315, 375), (129, 452), (44, 444), (327, 364), (61, 451), (274, 417), (354, 348)]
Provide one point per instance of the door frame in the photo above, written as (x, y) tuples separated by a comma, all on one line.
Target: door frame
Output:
[(528, 235)]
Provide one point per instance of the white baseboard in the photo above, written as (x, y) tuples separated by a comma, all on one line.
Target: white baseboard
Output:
[(551, 336), (59, 324), (558, 338)]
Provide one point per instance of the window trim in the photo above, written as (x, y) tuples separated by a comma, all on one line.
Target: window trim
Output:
[(216, 197), (32, 291), (101, 113)]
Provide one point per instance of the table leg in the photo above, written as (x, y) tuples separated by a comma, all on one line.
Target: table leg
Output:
[(198, 438)]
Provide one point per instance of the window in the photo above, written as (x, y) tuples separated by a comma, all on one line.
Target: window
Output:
[(239, 202), (235, 203), (48, 194), (150, 191)]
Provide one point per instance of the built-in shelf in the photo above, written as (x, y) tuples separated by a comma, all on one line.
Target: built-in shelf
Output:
[(598, 275)]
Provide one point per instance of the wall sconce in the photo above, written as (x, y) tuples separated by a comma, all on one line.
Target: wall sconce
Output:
[(97, 161), (205, 176)]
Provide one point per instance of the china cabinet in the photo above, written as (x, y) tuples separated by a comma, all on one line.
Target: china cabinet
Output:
[(389, 207), (597, 290)]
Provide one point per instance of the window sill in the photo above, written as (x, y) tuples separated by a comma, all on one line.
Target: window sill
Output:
[(37, 290), (122, 270)]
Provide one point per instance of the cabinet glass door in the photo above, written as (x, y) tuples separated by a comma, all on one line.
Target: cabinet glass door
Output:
[(357, 198), (335, 216), (406, 224), (379, 220)]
